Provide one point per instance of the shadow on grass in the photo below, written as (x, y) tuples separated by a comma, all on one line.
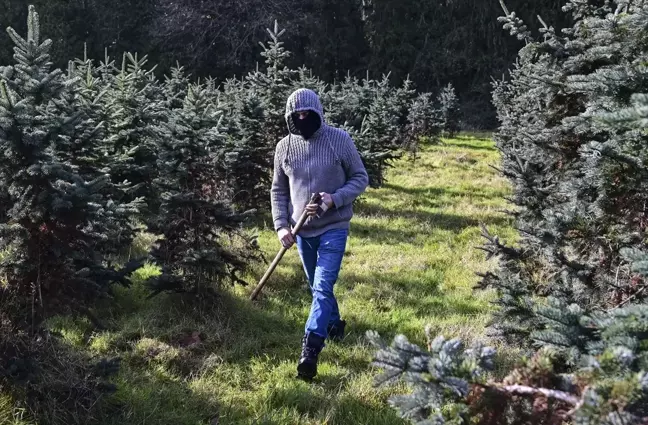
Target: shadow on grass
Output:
[(428, 303), (458, 143), (170, 339), (351, 410), (148, 395), (485, 140), (378, 233), (431, 191)]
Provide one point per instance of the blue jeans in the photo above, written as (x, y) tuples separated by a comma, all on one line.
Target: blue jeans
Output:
[(322, 259)]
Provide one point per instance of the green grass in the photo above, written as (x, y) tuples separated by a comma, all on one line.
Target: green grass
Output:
[(410, 262)]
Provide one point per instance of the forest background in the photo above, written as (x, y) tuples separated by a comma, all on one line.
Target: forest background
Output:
[(434, 42)]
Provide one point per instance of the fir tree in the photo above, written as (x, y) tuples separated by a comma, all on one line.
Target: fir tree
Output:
[(196, 251), (403, 99), (449, 110), (451, 384), (57, 221), (175, 87), (376, 158), (274, 85), (135, 128), (423, 122), (573, 144), (577, 179), (306, 79), (244, 159), (381, 131), (348, 102)]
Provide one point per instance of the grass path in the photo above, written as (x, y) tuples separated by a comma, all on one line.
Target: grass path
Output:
[(410, 262)]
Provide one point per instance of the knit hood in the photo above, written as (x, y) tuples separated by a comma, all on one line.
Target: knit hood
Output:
[(303, 100)]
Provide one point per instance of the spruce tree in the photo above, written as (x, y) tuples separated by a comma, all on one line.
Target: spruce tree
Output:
[(273, 85), (306, 79), (403, 99), (134, 129), (577, 180), (244, 160), (175, 87), (572, 293), (424, 120), (381, 131), (202, 245), (449, 110), (58, 219), (58, 214)]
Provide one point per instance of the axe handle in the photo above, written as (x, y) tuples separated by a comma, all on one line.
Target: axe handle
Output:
[(280, 255)]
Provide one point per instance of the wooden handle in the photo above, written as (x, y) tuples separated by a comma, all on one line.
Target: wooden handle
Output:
[(315, 199)]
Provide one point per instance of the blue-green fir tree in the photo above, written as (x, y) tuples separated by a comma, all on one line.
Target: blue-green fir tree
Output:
[(571, 292), (449, 106), (58, 211), (58, 218), (202, 244), (245, 157), (135, 128)]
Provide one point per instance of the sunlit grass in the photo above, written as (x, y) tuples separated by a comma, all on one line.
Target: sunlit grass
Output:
[(410, 262)]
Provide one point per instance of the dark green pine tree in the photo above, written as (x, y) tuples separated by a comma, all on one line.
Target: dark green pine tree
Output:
[(424, 121), (578, 180), (202, 244), (449, 110), (175, 87), (382, 132), (58, 217), (423, 124), (451, 384), (134, 129), (573, 143), (376, 158), (273, 86), (403, 101), (244, 159), (306, 79), (348, 101)]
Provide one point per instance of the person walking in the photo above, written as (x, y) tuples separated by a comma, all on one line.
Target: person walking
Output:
[(316, 158)]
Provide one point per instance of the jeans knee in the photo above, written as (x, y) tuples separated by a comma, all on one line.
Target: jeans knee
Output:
[(323, 293)]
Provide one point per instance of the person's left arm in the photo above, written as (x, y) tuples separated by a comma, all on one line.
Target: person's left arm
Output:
[(357, 177)]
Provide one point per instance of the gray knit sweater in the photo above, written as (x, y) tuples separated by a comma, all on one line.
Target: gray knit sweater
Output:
[(326, 162)]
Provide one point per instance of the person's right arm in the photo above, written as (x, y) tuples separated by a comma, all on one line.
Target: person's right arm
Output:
[(279, 199)]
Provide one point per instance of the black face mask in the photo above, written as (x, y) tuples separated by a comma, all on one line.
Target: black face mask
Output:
[(308, 126)]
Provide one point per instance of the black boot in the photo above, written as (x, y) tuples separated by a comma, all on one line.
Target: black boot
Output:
[(311, 347), (336, 331)]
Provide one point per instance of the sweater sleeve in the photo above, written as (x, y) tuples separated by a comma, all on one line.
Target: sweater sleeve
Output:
[(279, 192), (357, 177)]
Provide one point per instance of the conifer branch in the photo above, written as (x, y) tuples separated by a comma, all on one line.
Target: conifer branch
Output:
[(526, 390)]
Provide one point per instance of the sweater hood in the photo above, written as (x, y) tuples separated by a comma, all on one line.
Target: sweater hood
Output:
[(303, 100)]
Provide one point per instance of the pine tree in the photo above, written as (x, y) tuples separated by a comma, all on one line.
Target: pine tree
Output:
[(452, 384), (423, 122), (245, 159), (57, 220), (348, 102), (449, 110), (175, 87), (135, 128), (274, 85), (201, 243), (577, 179), (403, 100), (381, 132), (306, 79), (573, 143)]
